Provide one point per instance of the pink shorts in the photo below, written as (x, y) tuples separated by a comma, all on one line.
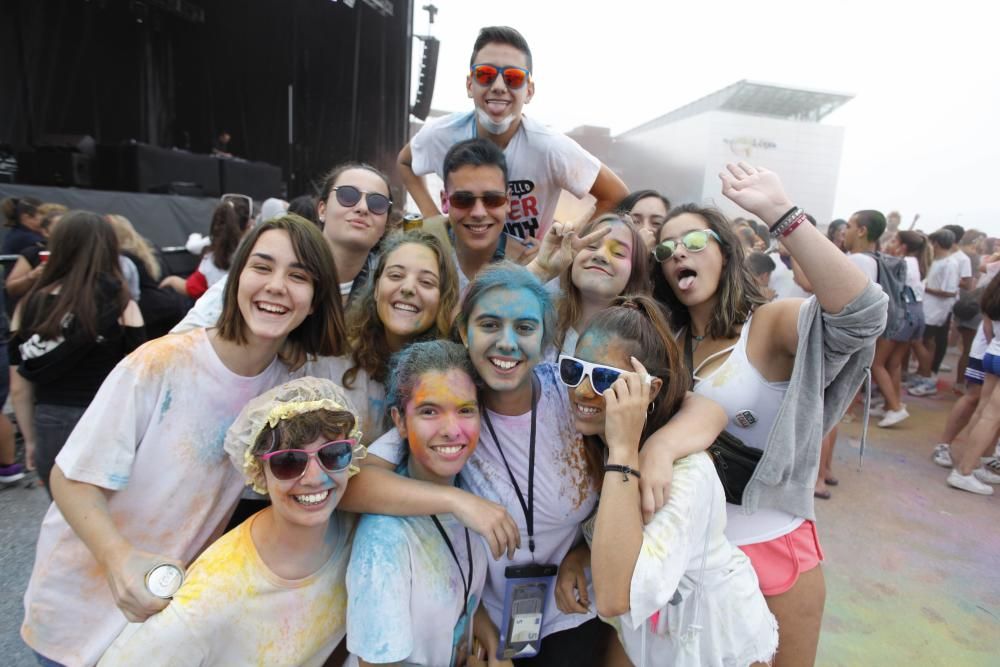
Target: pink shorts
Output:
[(779, 562)]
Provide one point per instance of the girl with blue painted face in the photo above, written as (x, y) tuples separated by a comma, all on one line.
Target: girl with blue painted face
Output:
[(526, 488)]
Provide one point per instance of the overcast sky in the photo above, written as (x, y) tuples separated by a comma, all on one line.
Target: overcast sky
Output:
[(922, 133)]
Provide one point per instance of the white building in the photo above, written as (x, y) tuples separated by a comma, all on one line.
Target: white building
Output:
[(681, 153)]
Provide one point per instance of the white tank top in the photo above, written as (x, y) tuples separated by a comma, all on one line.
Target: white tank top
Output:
[(751, 403)]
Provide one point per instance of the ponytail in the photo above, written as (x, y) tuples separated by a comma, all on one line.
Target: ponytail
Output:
[(226, 230), (14, 207), (917, 245)]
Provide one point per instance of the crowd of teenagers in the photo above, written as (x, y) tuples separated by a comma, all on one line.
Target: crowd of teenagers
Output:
[(496, 439)]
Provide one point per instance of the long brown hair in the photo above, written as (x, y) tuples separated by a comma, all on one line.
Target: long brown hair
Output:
[(570, 306), (323, 331), (84, 251), (640, 323), (738, 293), (365, 329), (918, 246), (229, 222)]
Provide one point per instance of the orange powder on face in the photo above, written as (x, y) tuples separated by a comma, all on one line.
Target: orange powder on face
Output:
[(449, 392)]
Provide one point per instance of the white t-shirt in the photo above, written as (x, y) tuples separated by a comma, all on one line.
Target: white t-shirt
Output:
[(232, 610), (206, 310), (540, 163), (683, 545), (964, 264), (943, 275), (913, 280), (212, 273), (866, 263), (406, 593), (564, 492), (993, 347), (783, 282), (153, 435), (367, 395)]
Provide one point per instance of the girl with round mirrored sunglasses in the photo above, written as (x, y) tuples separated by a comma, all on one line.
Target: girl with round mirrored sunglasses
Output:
[(289, 464), (695, 241), (348, 195)]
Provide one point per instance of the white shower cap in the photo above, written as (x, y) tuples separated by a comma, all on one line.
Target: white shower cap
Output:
[(291, 399)]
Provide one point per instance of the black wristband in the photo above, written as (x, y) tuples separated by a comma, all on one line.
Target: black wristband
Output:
[(780, 220), (624, 470)]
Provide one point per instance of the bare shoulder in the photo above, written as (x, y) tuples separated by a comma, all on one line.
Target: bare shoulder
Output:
[(775, 325)]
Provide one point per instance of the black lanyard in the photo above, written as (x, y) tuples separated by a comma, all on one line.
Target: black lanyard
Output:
[(528, 507), (467, 585)]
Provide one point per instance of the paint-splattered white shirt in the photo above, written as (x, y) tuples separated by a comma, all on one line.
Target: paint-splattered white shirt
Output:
[(153, 435), (405, 591)]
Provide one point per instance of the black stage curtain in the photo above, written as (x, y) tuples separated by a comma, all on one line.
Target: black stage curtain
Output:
[(123, 70)]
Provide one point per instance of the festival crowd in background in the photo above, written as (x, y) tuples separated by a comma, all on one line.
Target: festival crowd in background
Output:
[(485, 438)]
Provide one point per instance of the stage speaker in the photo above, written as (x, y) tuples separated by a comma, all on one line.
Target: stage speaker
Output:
[(55, 167), (72, 143), (428, 70)]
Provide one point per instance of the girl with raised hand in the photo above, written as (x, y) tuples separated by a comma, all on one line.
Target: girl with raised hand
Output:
[(682, 594), (784, 372), (603, 269), (410, 295), (256, 595), (143, 479), (529, 464), (414, 583)]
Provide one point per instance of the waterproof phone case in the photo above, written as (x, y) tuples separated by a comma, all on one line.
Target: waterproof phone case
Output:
[(525, 598)]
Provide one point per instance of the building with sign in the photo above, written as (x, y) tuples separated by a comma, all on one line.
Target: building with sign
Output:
[(682, 152)]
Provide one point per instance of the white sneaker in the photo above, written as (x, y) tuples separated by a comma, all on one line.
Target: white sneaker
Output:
[(893, 417), (968, 483), (946, 368), (925, 387), (986, 476), (877, 411), (992, 464), (942, 455)]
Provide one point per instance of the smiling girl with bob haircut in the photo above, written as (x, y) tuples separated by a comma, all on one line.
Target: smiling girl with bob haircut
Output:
[(255, 595), (784, 372), (143, 479), (507, 323)]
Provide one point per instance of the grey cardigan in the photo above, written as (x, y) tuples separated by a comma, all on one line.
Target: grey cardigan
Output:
[(834, 354)]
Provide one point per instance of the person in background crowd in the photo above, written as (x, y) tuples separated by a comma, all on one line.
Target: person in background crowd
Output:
[(965, 407), (677, 572), (604, 269), (305, 205), (161, 307), (230, 222), (23, 220), (144, 478), (542, 162), (966, 309), (761, 267), (257, 594), (962, 260), (836, 232), (71, 329), (759, 359), (414, 583), (10, 469), (940, 294), (26, 269), (969, 473), (220, 148), (648, 208)]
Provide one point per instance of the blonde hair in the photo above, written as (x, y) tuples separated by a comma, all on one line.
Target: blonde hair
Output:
[(130, 241)]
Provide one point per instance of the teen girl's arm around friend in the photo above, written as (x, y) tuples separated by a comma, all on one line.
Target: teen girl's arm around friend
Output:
[(379, 490)]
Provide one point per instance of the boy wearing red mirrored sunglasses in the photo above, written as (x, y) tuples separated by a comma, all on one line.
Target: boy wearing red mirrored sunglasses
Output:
[(541, 161)]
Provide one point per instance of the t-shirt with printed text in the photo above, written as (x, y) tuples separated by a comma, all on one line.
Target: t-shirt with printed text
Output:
[(540, 163)]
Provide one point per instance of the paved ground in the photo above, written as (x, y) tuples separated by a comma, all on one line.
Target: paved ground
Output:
[(911, 566)]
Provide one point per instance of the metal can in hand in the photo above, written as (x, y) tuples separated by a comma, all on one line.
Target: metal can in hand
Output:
[(164, 580)]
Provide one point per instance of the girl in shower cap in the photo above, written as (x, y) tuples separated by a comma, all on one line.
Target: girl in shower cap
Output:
[(271, 591)]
